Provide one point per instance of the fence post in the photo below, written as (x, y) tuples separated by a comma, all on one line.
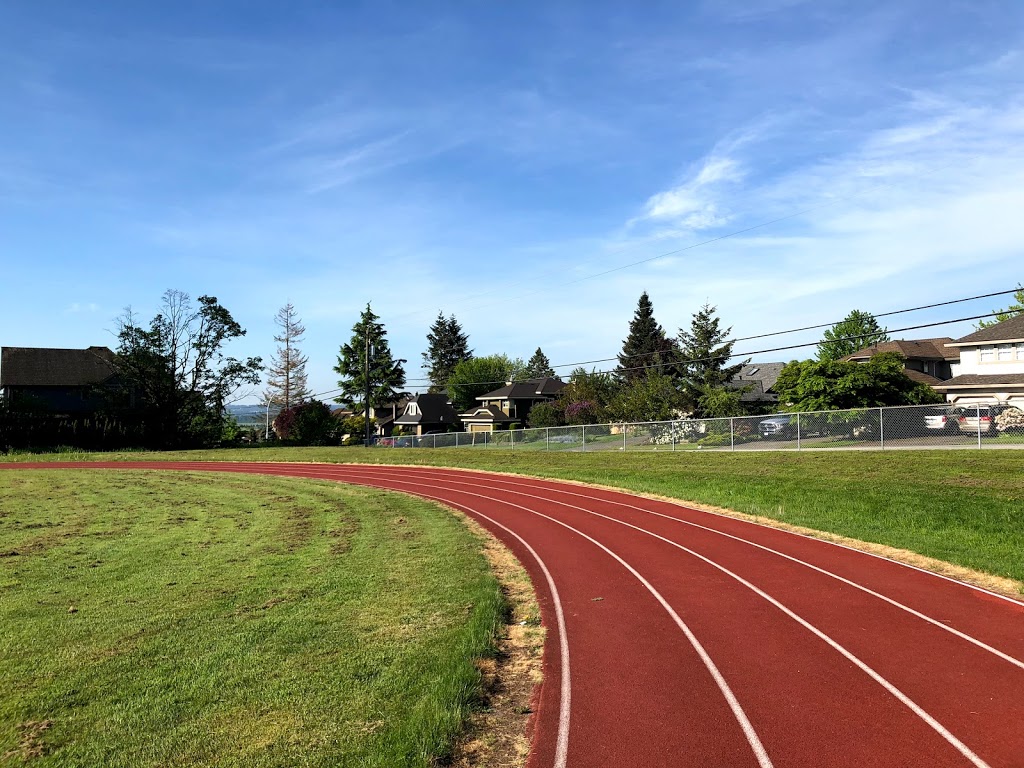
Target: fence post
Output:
[(978, 409), (881, 430), (672, 429), (547, 438), (623, 437), (798, 431), (512, 438), (732, 434), (584, 438)]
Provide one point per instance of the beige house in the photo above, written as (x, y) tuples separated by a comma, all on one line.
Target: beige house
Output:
[(991, 369), (510, 405)]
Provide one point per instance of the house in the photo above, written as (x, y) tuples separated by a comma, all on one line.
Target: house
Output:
[(511, 404), (428, 412), (928, 361), (385, 415), (758, 379), (63, 381), (991, 366)]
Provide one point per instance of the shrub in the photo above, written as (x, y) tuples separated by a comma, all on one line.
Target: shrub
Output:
[(546, 415)]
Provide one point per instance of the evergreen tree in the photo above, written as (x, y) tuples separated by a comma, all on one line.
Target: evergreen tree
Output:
[(538, 366), (856, 331), (286, 374), (387, 377), (704, 352), (447, 346), (646, 346)]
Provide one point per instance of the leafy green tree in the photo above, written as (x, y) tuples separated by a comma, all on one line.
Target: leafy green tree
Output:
[(447, 346), (308, 423), (538, 366), (651, 397), (176, 372), (826, 385), (856, 331), (586, 396), (1017, 308), (704, 351), (548, 414), (646, 346), (480, 375), (386, 375)]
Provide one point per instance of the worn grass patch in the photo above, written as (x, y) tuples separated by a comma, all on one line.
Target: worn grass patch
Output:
[(151, 619)]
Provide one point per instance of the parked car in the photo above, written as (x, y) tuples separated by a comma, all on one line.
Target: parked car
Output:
[(977, 418), (944, 420), (777, 428)]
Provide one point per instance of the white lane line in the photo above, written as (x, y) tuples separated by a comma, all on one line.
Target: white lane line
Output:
[(902, 697), (748, 730), (962, 635)]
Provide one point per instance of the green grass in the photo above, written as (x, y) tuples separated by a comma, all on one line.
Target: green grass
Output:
[(233, 621), (961, 506)]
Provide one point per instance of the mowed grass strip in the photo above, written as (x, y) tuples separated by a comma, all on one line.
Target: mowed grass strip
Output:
[(168, 619), (960, 506)]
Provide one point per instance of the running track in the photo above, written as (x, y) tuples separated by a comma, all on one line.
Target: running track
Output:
[(682, 638)]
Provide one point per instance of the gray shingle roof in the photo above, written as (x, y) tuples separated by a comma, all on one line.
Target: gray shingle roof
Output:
[(43, 367), (761, 377), (978, 379), (433, 409), (1008, 329)]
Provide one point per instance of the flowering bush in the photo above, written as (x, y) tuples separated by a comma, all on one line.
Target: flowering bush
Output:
[(582, 412)]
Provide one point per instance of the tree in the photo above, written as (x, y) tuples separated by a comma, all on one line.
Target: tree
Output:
[(651, 397), (856, 331), (447, 346), (176, 370), (286, 374), (386, 375), (704, 351), (538, 366), (547, 414), (1011, 311), (478, 376), (586, 396), (308, 423), (826, 385), (646, 346)]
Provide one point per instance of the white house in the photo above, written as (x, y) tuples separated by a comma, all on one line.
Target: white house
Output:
[(991, 366)]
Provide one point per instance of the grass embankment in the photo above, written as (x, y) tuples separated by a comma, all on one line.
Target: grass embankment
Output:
[(181, 620), (961, 506)]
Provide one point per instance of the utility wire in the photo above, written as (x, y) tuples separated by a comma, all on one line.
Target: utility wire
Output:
[(671, 363)]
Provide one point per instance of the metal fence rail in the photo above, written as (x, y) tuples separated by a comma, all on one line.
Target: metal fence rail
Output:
[(911, 427)]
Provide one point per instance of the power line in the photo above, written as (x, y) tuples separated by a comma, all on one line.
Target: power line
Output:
[(743, 354)]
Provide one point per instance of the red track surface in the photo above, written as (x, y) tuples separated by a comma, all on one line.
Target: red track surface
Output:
[(682, 638)]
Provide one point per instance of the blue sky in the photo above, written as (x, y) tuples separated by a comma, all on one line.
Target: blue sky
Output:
[(490, 160)]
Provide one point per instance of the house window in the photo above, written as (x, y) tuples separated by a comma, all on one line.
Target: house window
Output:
[(1020, 350), (412, 410), (986, 354), (1004, 353)]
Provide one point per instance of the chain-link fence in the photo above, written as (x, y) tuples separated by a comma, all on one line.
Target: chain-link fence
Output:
[(911, 427)]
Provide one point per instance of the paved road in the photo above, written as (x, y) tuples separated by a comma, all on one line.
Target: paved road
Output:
[(682, 638)]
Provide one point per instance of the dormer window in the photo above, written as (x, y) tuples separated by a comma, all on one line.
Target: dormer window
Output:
[(412, 410)]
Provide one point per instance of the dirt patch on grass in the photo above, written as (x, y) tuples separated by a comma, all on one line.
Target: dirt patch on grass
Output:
[(30, 741), (498, 733)]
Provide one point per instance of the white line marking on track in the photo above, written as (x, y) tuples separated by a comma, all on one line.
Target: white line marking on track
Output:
[(902, 697), (962, 635)]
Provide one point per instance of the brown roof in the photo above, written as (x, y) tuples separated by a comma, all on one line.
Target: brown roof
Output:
[(1012, 328), (545, 386), (43, 367), (983, 379), (914, 349), (924, 378)]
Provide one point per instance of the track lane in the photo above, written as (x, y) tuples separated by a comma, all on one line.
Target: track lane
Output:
[(632, 617)]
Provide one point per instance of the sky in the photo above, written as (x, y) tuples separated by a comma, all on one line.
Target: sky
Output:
[(529, 167)]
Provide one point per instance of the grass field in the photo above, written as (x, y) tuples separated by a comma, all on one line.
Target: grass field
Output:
[(181, 620), (960, 506)]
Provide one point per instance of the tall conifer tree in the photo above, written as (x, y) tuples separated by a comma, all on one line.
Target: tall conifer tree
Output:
[(387, 377), (286, 374), (538, 366), (646, 346), (447, 346), (705, 350)]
